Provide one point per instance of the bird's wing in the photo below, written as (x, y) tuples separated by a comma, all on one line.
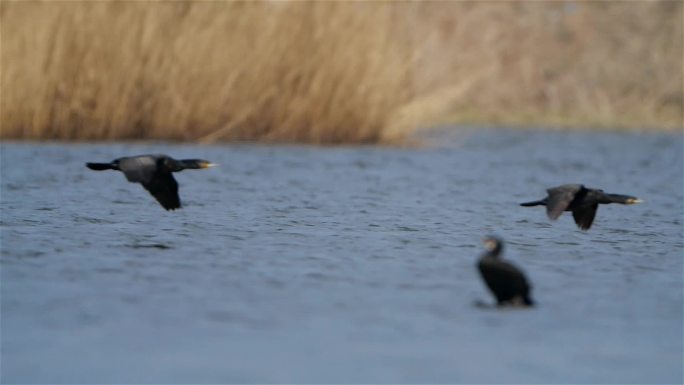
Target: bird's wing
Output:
[(139, 169), (584, 216), (164, 188), (560, 198)]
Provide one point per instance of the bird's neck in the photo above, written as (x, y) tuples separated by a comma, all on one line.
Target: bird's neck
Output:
[(187, 164), (614, 198)]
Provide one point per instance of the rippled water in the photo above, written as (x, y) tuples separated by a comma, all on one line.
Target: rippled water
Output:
[(346, 264)]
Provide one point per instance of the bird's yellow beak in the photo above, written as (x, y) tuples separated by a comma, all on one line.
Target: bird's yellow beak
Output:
[(207, 164), (489, 244), (632, 201)]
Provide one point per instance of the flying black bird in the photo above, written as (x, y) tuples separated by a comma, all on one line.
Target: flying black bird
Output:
[(504, 280), (154, 172), (582, 201)]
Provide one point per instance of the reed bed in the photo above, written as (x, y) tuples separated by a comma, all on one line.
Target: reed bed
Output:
[(333, 72)]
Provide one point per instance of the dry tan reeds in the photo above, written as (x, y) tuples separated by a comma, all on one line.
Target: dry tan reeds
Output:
[(332, 72)]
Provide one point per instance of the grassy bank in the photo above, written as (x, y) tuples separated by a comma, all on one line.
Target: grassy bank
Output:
[(333, 72)]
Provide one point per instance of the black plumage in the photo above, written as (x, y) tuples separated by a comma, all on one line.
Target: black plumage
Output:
[(154, 172), (504, 280), (581, 200)]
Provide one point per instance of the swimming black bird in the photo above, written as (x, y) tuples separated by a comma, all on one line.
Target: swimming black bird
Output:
[(582, 201), (154, 172), (504, 280)]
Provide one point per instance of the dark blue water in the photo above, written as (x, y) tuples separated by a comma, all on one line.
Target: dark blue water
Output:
[(348, 264)]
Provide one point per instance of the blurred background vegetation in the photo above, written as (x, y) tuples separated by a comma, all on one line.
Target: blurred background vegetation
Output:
[(334, 72)]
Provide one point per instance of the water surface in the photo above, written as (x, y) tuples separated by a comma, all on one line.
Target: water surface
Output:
[(348, 264)]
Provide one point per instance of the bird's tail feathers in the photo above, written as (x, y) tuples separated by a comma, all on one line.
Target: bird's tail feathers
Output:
[(528, 301), (100, 166), (533, 203)]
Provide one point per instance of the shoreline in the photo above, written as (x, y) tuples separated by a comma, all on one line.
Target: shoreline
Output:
[(413, 139)]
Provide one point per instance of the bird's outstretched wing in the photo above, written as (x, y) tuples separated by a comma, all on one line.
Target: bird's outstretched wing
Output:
[(560, 198), (164, 188), (584, 216)]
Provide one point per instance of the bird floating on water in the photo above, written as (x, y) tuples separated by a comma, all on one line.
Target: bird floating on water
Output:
[(154, 172), (504, 280), (582, 201)]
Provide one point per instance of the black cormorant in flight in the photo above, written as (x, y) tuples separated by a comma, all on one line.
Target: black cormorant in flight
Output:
[(154, 172), (504, 280), (582, 201)]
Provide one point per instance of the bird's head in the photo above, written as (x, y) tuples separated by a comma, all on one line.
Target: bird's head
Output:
[(205, 163), (632, 200), (195, 164), (493, 245), (619, 198)]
